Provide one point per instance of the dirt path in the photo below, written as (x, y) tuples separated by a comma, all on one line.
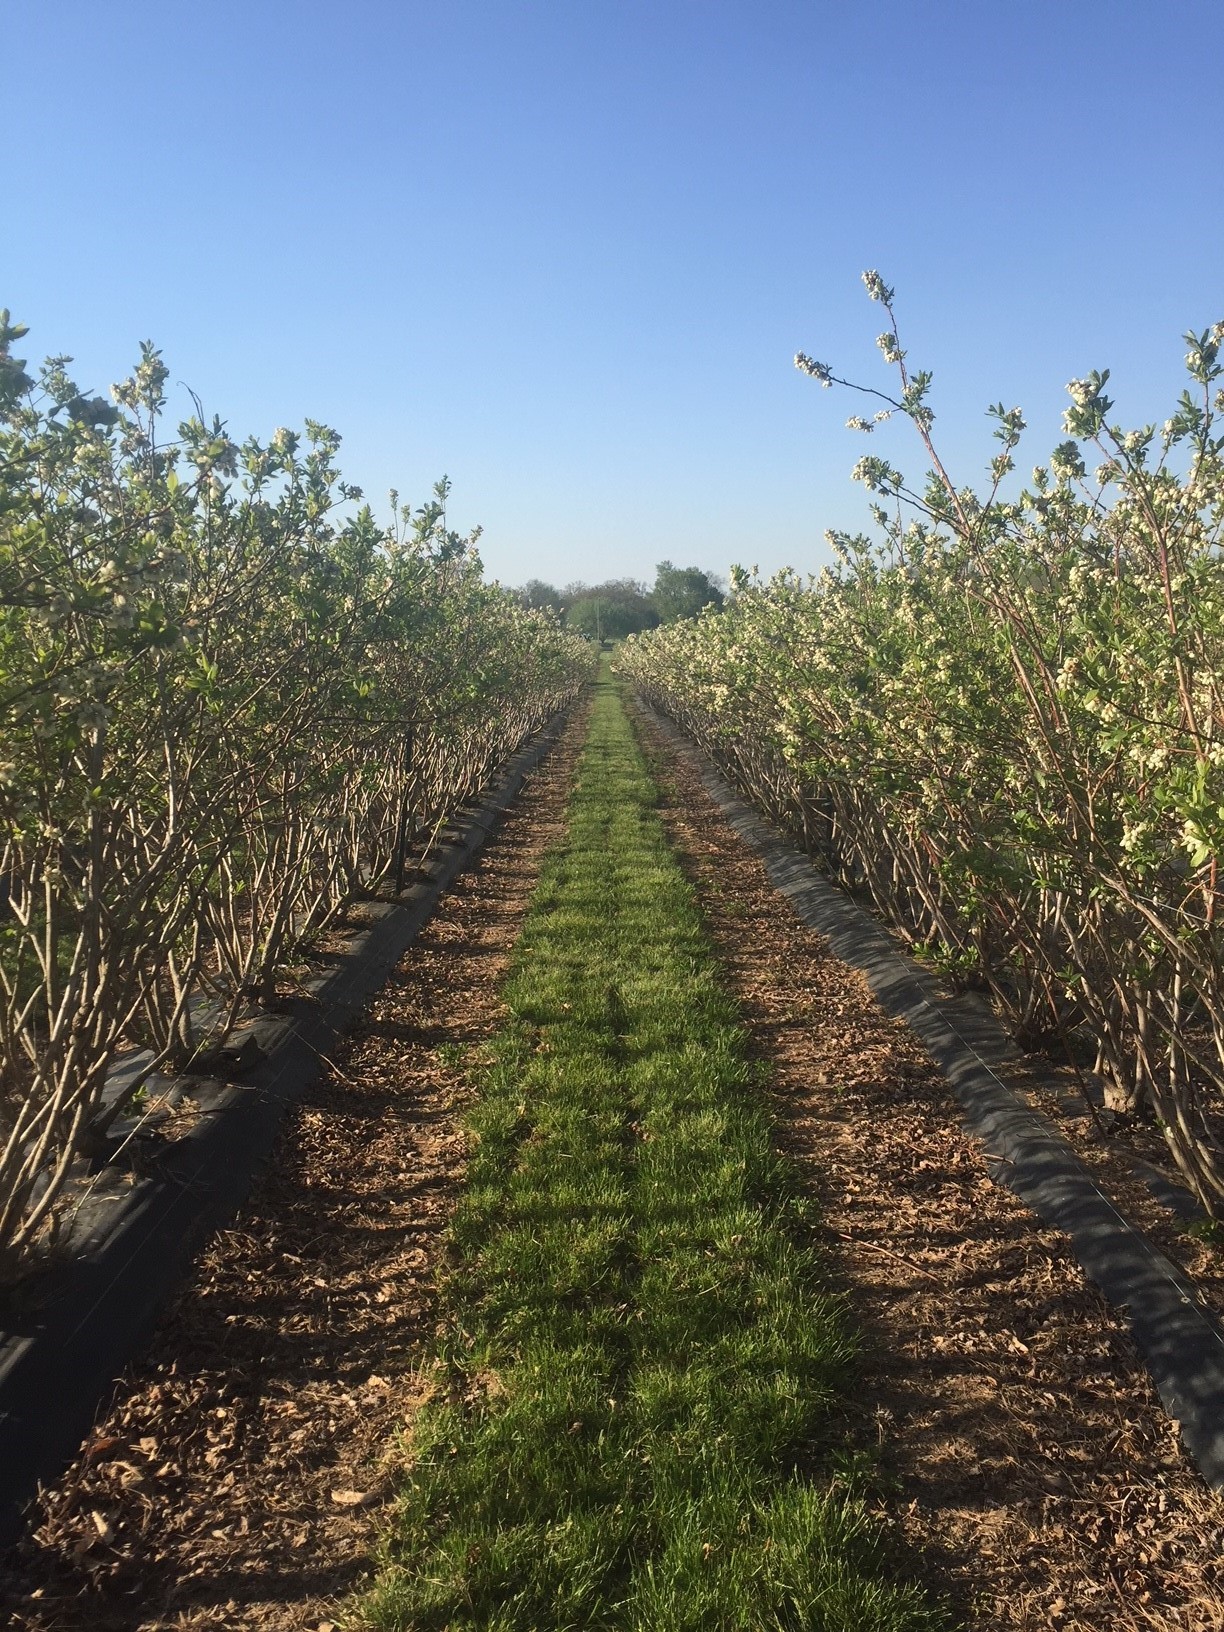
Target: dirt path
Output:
[(238, 1479), (1034, 1468)]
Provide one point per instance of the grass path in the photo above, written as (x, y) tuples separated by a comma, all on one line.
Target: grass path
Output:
[(640, 1368)]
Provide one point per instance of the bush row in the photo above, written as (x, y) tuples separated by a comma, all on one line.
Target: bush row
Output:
[(231, 702), (1003, 717)]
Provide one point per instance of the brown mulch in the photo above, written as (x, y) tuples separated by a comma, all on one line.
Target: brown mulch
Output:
[(1031, 1467), (239, 1478)]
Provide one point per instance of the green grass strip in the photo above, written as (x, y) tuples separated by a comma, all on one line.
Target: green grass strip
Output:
[(641, 1363)]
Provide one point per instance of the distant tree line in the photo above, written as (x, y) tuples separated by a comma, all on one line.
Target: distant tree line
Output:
[(623, 606)]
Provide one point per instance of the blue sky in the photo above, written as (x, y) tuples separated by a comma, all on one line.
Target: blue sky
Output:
[(564, 250)]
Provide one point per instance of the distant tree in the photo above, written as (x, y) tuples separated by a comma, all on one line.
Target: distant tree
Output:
[(536, 593), (609, 611), (681, 592)]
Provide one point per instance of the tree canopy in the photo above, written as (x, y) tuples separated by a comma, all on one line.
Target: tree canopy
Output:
[(536, 595), (610, 610), (681, 592), (623, 606)]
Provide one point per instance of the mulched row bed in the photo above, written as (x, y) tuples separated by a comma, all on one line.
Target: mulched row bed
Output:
[(238, 1479), (1028, 1458)]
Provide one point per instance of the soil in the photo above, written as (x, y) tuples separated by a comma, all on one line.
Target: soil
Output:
[(1024, 1457), (240, 1478)]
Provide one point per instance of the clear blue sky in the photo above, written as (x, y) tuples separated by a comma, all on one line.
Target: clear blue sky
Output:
[(564, 250)]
